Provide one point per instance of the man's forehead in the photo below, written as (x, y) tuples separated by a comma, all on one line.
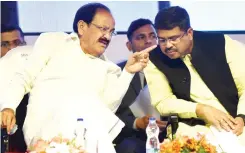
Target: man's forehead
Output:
[(103, 16), (168, 33), (10, 36), (145, 30)]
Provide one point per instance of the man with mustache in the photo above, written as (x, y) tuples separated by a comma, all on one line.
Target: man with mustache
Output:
[(72, 65), (141, 35), (197, 75)]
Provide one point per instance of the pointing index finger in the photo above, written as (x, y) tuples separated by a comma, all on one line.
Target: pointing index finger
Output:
[(149, 49)]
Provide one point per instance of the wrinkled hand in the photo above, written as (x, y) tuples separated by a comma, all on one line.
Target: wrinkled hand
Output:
[(239, 126), (216, 117), (138, 60), (8, 119)]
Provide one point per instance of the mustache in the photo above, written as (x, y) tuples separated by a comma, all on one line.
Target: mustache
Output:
[(104, 40), (169, 49)]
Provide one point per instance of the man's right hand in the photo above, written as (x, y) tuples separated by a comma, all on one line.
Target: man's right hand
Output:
[(8, 119), (141, 123), (215, 117)]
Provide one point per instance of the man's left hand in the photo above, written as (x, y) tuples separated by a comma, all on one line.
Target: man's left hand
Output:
[(239, 126), (138, 60)]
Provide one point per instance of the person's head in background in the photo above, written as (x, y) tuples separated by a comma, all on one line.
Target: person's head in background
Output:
[(11, 36), (95, 26), (175, 35), (141, 35)]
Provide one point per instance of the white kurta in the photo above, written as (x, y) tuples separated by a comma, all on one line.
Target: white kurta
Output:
[(63, 79)]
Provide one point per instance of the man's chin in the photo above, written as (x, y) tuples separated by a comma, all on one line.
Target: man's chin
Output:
[(171, 56), (100, 51)]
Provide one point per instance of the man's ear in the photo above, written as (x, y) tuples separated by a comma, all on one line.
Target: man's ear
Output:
[(81, 27), (190, 33), (129, 46)]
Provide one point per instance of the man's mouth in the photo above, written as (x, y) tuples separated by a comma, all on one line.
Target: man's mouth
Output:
[(170, 51)]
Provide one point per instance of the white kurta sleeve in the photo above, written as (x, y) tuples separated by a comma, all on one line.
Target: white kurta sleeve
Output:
[(117, 84)]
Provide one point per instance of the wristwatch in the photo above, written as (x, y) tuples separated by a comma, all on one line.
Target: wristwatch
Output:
[(242, 116)]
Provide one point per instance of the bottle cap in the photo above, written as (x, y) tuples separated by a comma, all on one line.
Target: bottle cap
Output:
[(80, 119), (152, 118)]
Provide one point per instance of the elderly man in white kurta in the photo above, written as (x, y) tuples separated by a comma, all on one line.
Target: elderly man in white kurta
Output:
[(71, 70)]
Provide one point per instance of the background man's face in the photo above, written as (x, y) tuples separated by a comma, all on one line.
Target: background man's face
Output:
[(143, 38), (10, 40), (97, 36)]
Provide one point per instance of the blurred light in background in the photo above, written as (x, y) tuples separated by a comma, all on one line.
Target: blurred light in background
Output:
[(215, 15), (43, 16)]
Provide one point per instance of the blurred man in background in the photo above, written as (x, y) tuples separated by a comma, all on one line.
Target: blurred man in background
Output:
[(11, 37), (141, 35)]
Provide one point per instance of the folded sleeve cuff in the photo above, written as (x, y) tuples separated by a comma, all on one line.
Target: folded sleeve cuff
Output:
[(126, 75), (190, 111)]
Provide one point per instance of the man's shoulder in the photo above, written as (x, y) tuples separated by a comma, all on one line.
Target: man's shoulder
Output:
[(207, 35), (52, 37), (122, 64), (54, 34), (48, 44)]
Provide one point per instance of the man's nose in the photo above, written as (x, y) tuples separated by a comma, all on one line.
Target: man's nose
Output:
[(148, 40), (108, 36), (168, 44)]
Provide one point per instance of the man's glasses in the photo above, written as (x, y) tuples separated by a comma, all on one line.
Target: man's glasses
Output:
[(172, 40), (7, 44), (105, 30)]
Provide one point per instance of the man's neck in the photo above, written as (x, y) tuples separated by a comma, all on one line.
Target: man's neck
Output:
[(189, 50), (82, 45), (191, 47)]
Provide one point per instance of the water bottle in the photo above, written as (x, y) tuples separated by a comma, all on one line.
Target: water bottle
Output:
[(80, 132), (152, 132)]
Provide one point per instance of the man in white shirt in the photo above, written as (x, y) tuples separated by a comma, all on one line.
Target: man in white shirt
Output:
[(63, 69)]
